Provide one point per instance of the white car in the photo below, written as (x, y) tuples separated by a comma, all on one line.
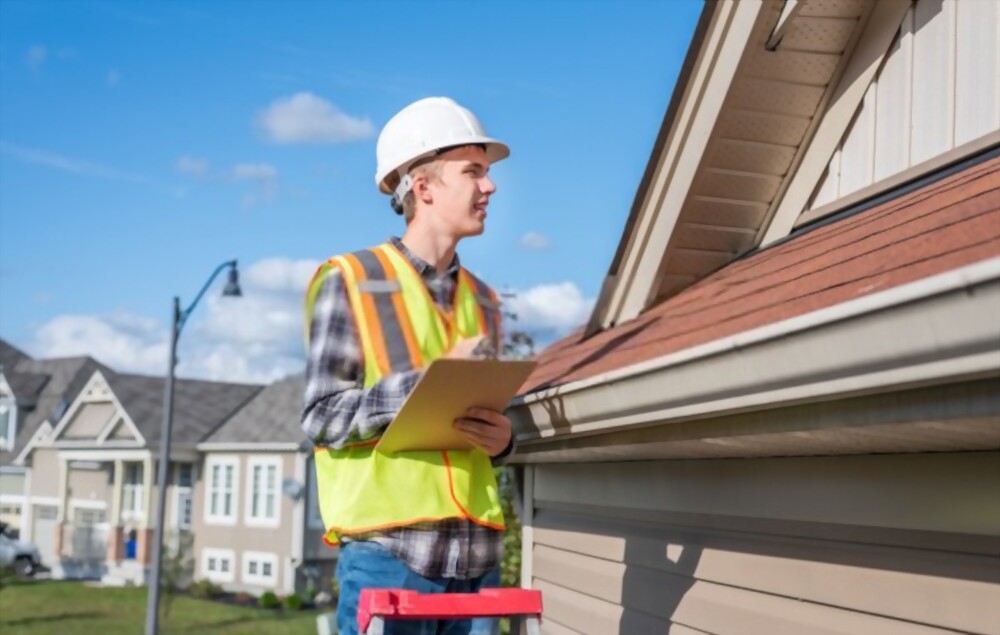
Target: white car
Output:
[(22, 556)]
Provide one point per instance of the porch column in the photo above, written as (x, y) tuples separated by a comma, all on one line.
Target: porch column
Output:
[(116, 547), (145, 537), (63, 508)]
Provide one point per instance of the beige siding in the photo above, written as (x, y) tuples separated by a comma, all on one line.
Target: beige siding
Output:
[(89, 421), (90, 485), (870, 544), (239, 536), (938, 89), (12, 484), (45, 472)]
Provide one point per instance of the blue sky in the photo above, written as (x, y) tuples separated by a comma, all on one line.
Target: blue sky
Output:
[(143, 143)]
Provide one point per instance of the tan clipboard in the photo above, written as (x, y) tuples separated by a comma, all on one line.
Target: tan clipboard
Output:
[(448, 388)]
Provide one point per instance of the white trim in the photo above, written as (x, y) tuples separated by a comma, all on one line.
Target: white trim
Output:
[(83, 503), (45, 501), (222, 461), (10, 403), (951, 336), (676, 165), (248, 447), (220, 555), (80, 445), (961, 278), (98, 454), (13, 469), (26, 509), (263, 462), (40, 435), (13, 499), (81, 399), (528, 527), (102, 438), (260, 558), (176, 520)]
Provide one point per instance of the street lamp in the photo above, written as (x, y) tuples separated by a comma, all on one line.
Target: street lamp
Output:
[(232, 289)]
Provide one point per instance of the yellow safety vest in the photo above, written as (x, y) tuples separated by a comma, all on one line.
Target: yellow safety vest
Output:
[(401, 328)]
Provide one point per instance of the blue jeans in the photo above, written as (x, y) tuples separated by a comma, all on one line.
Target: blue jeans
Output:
[(369, 565)]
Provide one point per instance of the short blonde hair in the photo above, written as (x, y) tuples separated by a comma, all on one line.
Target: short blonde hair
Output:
[(430, 168)]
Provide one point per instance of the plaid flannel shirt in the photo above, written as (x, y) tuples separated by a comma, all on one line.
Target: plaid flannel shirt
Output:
[(338, 410)]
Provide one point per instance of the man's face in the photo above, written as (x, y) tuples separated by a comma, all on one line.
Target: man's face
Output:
[(462, 191)]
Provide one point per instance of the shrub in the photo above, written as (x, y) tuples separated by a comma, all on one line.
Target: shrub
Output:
[(205, 589), (293, 603), (269, 600)]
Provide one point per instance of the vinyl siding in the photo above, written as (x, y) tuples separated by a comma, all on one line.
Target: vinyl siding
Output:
[(938, 89), (890, 544)]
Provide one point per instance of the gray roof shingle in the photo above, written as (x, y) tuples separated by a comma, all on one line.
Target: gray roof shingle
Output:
[(271, 417), (199, 406), (66, 377)]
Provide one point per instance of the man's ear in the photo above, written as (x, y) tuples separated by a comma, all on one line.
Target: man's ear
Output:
[(421, 189)]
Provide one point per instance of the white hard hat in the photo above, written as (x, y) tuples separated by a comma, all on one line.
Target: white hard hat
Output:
[(421, 130)]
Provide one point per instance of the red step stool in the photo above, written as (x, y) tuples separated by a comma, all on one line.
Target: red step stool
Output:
[(376, 606)]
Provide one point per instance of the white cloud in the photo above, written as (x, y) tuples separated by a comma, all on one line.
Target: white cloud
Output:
[(258, 337), (255, 338), (253, 172), (193, 166), (549, 310), (124, 341), (534, 241), (36, 56), (113, 77), (67, 164), (306, 118)]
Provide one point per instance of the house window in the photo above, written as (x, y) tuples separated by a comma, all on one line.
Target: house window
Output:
[(8, 427), (183, 504), (220, 501), (262, 491), (217, 564), (260, 568), (132, 491), (185, 475)]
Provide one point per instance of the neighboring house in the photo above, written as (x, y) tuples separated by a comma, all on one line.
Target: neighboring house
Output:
[(784, 415), (257, 525), (33, 395), (97, 466)]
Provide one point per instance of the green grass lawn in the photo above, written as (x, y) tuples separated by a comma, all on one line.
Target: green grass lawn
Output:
[(70, 608)]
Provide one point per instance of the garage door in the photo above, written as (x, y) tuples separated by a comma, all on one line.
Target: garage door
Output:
[(44, 532)]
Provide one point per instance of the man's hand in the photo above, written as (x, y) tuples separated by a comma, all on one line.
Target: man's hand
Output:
[(488, 430), (465, 349)]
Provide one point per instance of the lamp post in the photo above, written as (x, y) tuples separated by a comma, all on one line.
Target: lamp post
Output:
[(232, 289)]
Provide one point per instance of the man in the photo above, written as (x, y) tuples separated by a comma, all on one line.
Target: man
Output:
[(427, 521)]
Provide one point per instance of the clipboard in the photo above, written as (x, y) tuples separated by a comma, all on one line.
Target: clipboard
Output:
[(448, 388)]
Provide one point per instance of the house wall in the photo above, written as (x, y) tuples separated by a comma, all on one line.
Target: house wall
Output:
[(889, 544), (938, 89), (239, 537), (45, 472), (89, 421), (11, 484), (91, 486)]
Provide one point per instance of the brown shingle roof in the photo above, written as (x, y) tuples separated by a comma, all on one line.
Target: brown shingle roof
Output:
[(944, 225)]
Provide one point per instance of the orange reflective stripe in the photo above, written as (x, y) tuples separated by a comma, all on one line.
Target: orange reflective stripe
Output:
[(402, 317), (370, 318), (454, 498)]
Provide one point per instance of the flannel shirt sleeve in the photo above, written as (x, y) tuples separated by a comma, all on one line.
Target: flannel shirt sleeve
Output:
[(337, 408)]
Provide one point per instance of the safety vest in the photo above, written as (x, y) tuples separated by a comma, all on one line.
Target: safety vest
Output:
[(401, 328)]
